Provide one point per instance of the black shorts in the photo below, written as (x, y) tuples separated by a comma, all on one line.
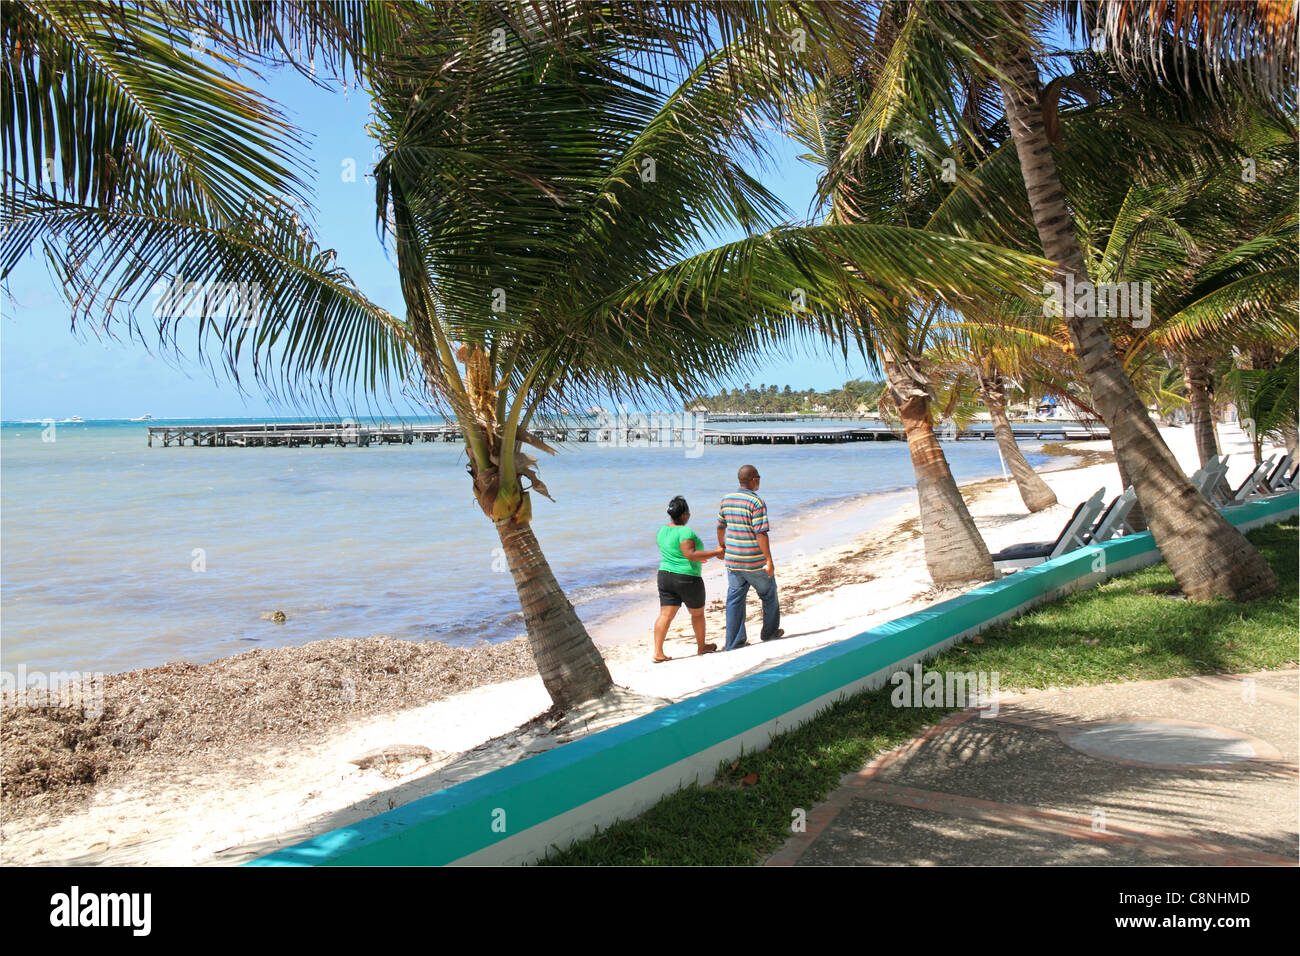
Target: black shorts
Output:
[(678, 589)]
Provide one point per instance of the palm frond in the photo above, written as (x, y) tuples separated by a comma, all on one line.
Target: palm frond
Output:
[(258, 287), (1267, 398), (1258, 308), (102, 100), (1231, 48)]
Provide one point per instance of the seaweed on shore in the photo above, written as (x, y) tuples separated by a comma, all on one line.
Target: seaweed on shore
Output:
[(184, 714)]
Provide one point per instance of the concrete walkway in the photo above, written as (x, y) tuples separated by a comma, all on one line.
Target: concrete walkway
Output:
[(1190, 771)]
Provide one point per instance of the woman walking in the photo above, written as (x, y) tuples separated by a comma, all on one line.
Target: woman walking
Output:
[(680, 582)]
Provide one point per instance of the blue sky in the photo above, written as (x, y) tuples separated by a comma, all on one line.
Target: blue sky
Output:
[(49, 371)]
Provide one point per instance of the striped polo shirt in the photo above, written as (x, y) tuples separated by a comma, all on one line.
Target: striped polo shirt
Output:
[(744, 516)]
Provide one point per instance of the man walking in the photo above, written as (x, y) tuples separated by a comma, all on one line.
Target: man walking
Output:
[(743, 531)]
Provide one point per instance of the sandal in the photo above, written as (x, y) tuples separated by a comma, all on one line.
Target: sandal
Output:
[(660, 660), (707, 649)]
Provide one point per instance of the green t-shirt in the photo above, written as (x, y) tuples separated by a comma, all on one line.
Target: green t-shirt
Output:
[(671, 537)]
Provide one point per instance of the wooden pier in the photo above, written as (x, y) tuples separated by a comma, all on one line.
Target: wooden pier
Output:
[(343, 434), (796, 436), (1066, 431), (296, 434), (725, 417)]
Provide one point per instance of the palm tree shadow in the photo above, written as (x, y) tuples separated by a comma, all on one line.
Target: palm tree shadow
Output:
[(1104, 812)]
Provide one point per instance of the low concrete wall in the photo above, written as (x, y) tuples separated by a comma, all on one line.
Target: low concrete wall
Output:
[(515, 814)]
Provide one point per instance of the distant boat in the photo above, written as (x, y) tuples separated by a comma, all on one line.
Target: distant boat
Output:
[(74, 419), (143, 418)]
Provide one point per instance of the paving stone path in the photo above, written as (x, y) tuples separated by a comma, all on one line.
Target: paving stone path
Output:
[(1199, 770)]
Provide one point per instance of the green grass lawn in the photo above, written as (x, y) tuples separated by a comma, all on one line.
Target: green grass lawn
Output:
[(1134, 627)]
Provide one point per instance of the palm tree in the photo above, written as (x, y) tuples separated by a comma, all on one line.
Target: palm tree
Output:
[(557, 180), (1206, 554), (1216, 249), (893, 184), (930, 51)]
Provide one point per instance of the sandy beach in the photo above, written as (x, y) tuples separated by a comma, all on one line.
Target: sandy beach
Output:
[(223, 762)]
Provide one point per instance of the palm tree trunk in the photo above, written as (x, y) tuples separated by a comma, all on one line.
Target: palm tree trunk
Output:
[(1198, 374), (571, 667), (1137, 519), (954, 550), (1034, 492), (1206, 554)]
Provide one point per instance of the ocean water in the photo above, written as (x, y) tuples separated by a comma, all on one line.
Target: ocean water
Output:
[(114, 555)]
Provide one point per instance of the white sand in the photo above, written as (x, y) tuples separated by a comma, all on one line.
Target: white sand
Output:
[(226, 817)]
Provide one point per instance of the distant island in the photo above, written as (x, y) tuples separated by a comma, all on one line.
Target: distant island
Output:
[(856, 396)]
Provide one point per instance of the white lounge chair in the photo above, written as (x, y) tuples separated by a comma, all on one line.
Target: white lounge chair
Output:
[(1071, 537), (1112, 520), (1250, 487), (1206, 478), (1276, 480), (1292, 481)]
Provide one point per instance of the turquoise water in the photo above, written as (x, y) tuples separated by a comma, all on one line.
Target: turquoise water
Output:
[(117, 555)]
